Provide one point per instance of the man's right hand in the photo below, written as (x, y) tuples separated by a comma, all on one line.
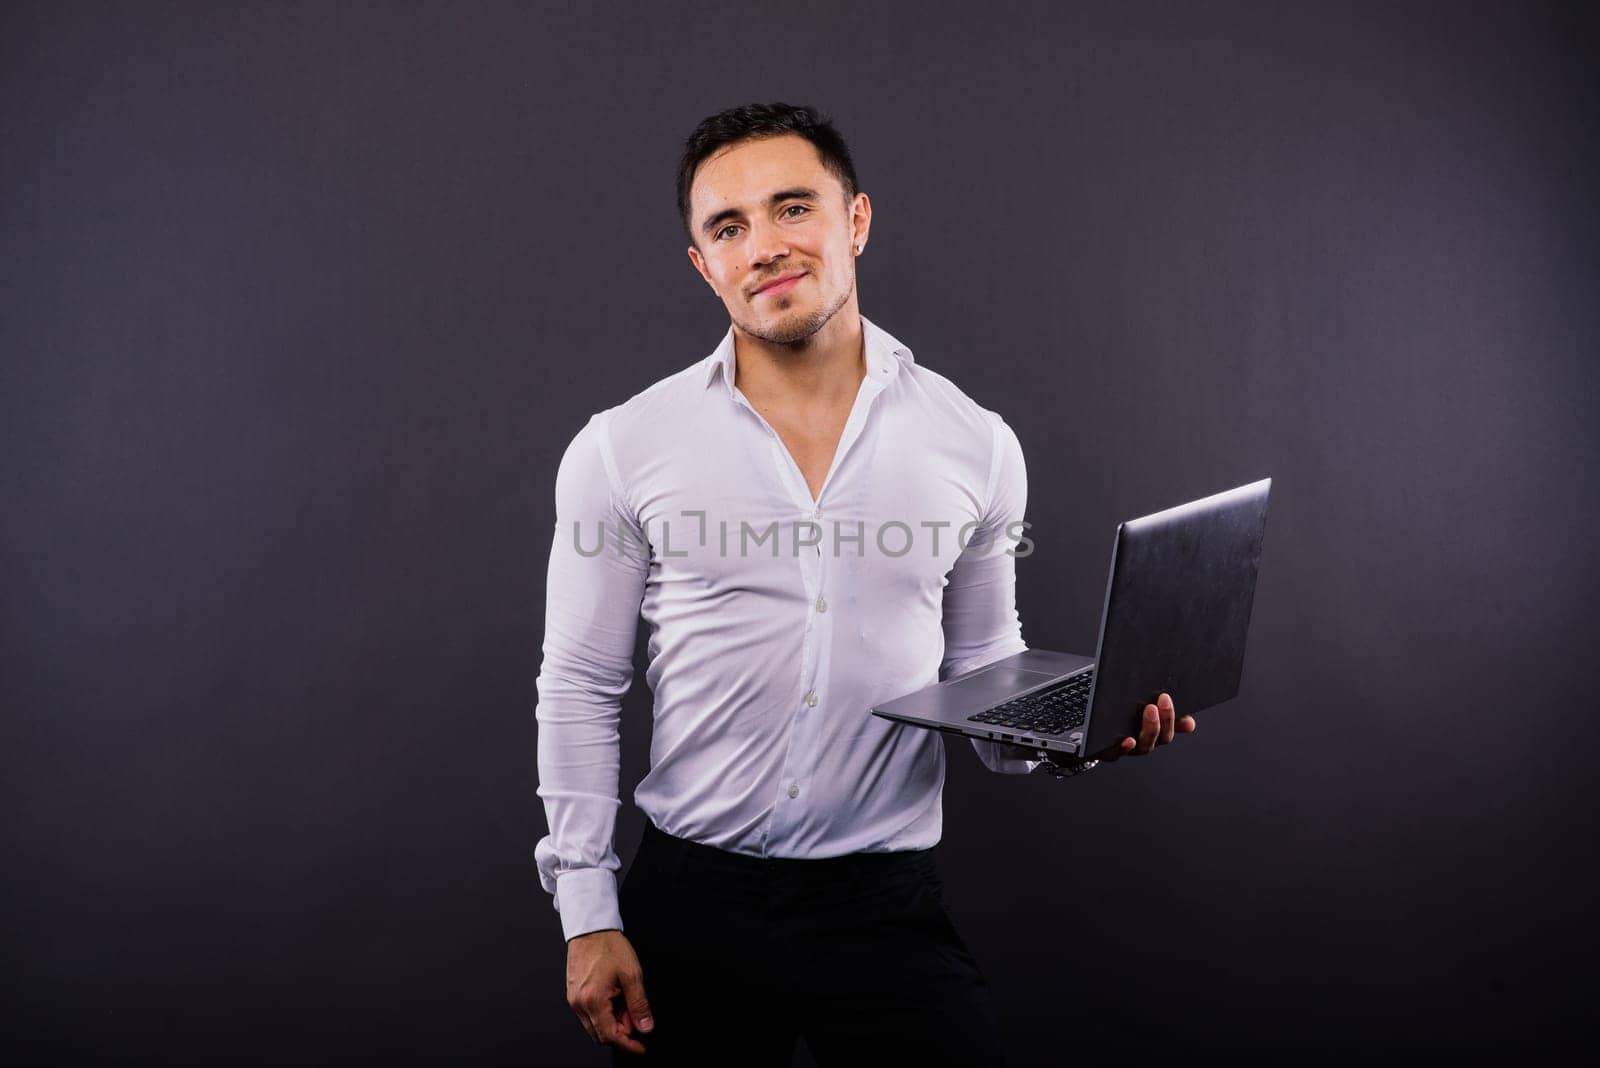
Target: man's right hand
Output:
[(601, 966)]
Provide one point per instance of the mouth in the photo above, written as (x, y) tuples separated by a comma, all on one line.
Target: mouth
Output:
[(781, 285)]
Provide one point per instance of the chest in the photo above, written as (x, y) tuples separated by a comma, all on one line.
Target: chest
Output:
[(812, 441), (726, 519)]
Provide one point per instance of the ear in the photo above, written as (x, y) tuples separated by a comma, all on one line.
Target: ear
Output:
[(860, 219), (700, 265)]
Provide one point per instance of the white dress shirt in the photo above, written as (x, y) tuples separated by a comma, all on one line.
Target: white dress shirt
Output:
[(775, 621)]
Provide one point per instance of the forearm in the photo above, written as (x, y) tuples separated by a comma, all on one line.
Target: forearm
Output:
[(579, 751), (1000, 757), (586, 672)]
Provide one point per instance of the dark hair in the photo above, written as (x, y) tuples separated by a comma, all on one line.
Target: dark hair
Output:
[(752, 121)]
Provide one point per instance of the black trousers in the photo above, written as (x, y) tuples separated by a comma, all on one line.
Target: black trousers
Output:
[(741, 955)]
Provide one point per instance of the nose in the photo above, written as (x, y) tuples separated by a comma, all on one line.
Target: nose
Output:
[(767, 242)]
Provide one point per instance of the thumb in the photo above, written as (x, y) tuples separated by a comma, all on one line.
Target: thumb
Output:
[(638, 1006)]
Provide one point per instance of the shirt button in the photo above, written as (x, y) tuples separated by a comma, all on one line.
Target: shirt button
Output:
[(811, 699), (794, 791), (822, 604)]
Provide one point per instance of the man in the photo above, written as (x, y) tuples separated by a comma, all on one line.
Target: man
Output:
[(775, 512)]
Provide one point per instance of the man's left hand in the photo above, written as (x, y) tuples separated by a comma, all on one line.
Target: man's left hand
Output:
[(1161, 724)]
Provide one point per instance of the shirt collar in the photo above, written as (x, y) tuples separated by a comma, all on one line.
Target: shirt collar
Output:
[(884, 353)]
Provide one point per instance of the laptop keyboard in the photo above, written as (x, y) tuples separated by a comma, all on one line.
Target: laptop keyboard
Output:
[(1053, 710)]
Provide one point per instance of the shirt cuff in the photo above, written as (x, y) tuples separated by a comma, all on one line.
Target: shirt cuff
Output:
[(587, 901), (1005, 758), (1015, 759)]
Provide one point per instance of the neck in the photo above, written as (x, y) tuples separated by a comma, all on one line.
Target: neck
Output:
[(822, 370)]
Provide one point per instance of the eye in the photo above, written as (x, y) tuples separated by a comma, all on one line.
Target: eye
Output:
[(725, 229)]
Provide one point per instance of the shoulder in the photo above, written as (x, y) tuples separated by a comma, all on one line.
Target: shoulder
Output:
[(971, 430), (651, 411), (946, 403), (954, 410)]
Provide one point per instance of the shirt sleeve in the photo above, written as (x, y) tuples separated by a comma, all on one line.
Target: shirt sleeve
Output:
[(596, 581), (980, 603)]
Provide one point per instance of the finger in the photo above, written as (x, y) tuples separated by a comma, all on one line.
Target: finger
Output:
[(621, 1039), (619, 1027), (1149, 731), (579, 1003), (1187, 725), (637, 1005), (1168, 714), (588, 1025)]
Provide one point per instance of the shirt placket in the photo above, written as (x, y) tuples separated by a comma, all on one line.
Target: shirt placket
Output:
[(816, 639)]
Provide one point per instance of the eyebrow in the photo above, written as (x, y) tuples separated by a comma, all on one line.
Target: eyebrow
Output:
[(711, 225)]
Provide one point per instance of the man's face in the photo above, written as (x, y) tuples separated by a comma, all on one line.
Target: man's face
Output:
[(765, 210)]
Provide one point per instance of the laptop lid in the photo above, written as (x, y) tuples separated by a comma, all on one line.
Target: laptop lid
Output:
[(1177, 610)]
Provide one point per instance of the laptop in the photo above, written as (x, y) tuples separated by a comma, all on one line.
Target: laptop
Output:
[(1175, 618)]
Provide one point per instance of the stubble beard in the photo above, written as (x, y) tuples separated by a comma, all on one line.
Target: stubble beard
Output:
[(793, 331)]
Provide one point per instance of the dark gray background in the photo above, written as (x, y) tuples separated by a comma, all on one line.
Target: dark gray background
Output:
[(302, 303)]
